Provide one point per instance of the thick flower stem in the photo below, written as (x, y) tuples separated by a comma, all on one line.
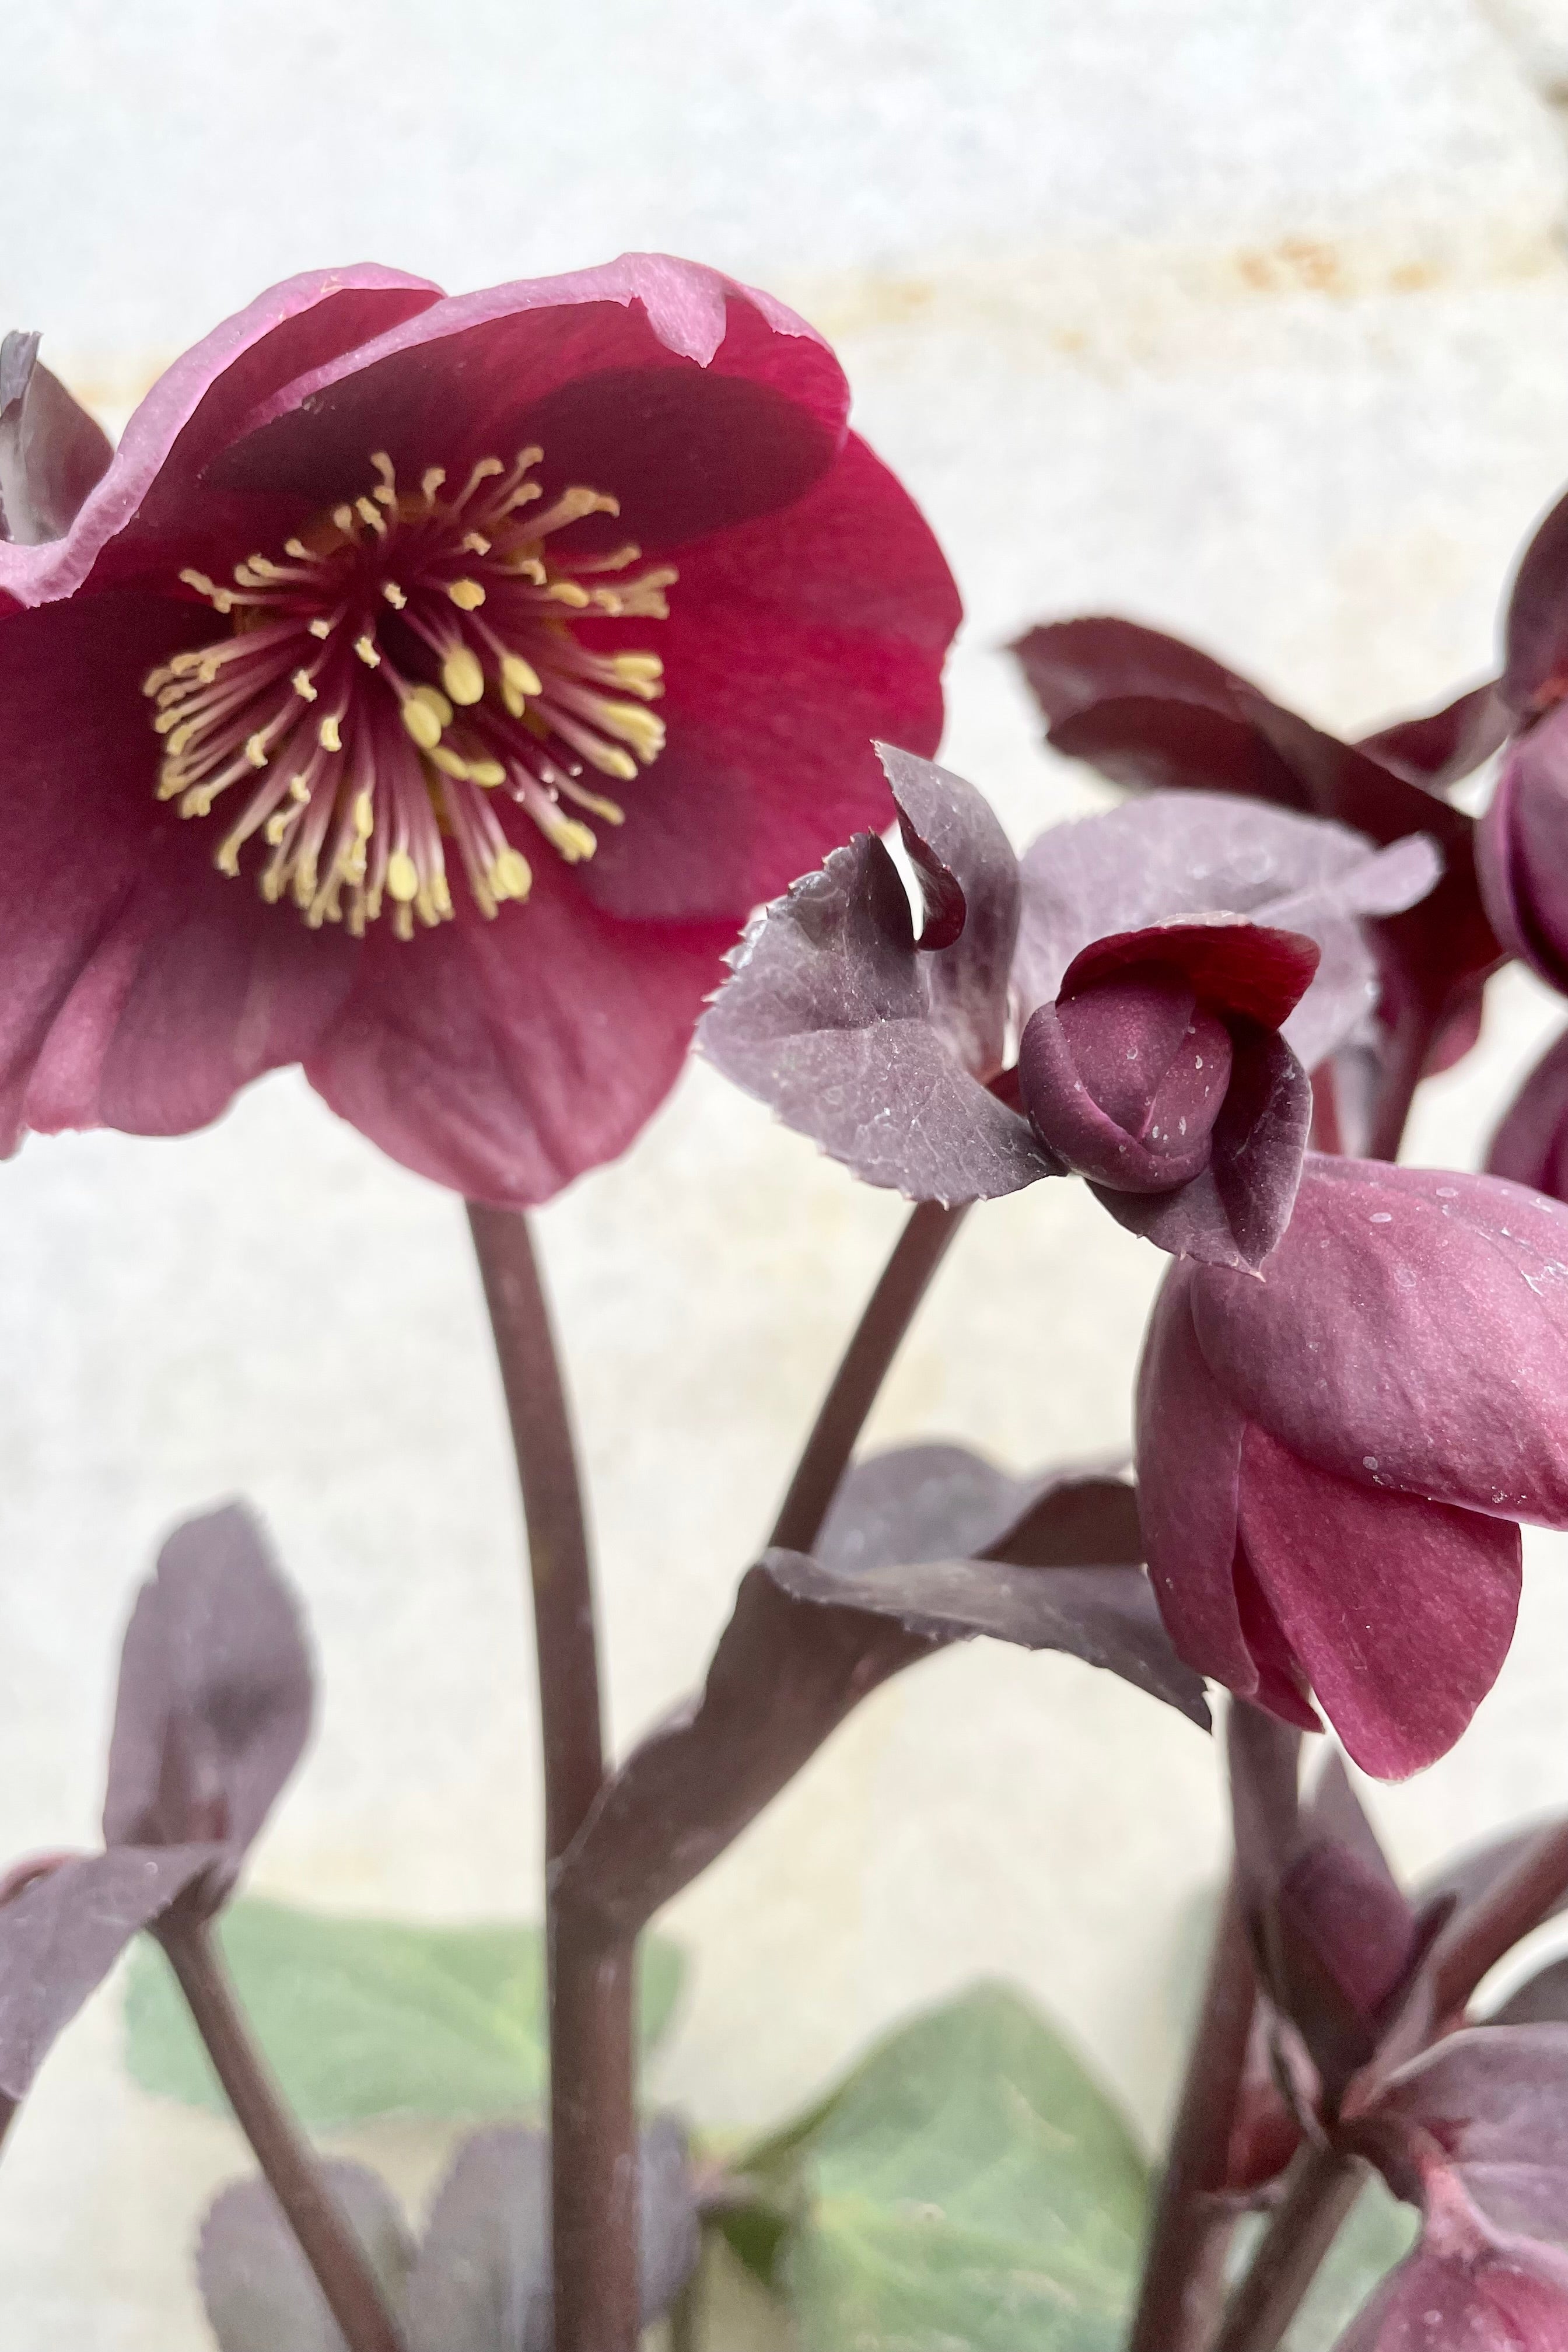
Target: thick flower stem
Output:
[(1183, 2267), (288, 2164), (919, 1251), (594, 2161), (1321, 2188)]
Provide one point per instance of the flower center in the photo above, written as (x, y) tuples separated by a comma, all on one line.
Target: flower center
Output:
[(409, 665)]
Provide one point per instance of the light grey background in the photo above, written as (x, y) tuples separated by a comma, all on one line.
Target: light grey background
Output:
[(1248, 316)]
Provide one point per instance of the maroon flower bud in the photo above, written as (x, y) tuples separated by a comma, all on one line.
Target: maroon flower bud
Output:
[(1332, 1460), (1522, 849), (1159, 1074)]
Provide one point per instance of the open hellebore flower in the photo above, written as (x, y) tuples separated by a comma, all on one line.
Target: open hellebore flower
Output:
[(1151, 711), (892, 1050), (392, 612), (1333, 1460)]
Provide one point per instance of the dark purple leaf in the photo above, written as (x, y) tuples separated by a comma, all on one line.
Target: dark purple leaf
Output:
[(942, 1502), (785, 1675), (1334, 1812), (969, 879), (1154, 860), (827, 1018), (260, 2292), (214, 1696), (1442, 746), (1107, 1616), (789, 1669), (51, 452), (63, 1932), (1535, 634), (482, 2279)]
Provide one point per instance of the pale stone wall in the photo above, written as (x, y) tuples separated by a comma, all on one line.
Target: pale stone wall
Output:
[(1248, 316)]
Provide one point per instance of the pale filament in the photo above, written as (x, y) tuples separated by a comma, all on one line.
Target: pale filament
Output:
[(410, 654)]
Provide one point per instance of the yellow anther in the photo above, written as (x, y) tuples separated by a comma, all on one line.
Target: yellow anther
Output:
[(301, 682), (422, 723), (574, 841), (467, 594), (566, 592), (297, 549), (300, 789), (519, 675), (611, 762), (435, 701), (343, 516), (196, 802), (449, 763), (430, 481), (277, 825), (639, 671), (610, 811), (631, 723), (571, 507), (328, 735), (364, 815), (255, 750), (475, 542), (462, 677), (401, 880), (393, 594), (371, 514), (489, 773), (366, 648), (512, 877), (321, 628)]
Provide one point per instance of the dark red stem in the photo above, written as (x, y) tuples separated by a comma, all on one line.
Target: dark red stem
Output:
[(286, 2158), (1183, 2267), (1318, 2194), (594, 2161), (920, 1250)]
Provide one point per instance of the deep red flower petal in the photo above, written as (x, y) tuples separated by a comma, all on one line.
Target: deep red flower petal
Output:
[(1230, 965), (191, 411), (696, 402), (139, 988), (791, 642), (1411, 1330), (505, 1059), (1189, 1466), (1401, 1611)]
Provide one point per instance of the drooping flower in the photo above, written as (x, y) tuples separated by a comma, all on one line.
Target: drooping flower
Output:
[(390, 613), (1152, 712), (1333, 1460)]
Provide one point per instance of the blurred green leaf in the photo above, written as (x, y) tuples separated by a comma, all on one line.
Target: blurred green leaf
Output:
[(968, 2187), (1379, 2234), (368, 2017)]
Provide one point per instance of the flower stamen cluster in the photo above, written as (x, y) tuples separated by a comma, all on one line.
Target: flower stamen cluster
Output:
[(410, 657)]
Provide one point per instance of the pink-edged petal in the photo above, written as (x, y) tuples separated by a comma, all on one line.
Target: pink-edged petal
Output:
[(1401, 1611), (505, 1059), (139, 987), (1411, 1330), (191, 412), (791, 642), (1189, 1461), (1530, 1147), (693, 400)]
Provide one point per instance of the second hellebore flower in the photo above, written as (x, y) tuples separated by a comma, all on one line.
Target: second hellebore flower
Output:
[(1333, 1460), (392, 612)]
